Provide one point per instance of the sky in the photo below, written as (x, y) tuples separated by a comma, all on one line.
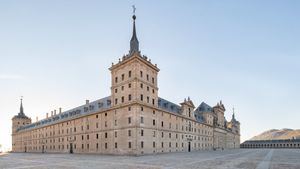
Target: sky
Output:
[(246, 53)]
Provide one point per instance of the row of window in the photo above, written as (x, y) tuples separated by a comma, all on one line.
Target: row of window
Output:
[(129, 76)]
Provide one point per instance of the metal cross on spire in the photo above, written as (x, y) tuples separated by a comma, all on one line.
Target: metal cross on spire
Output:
[(133, 7)]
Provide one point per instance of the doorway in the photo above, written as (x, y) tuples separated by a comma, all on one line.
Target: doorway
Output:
[(71, 148), (189, 147)]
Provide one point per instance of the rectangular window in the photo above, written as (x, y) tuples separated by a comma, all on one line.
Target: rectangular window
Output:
[(123, 76), (142, 98), (142, 119), (105, 135), (129, 108), (153, 122), (97, 125), (97, 146), (148, 99), (129, 74), (97, 136), (116, 79), (162, 124), (147, 77), (142, 132), (153, 80), (129, 120), (141, 73), (153, 101), (129, 144), (129, 133), (116, 90), (116, 101), (87, 137), (116, 145), (105, 145), (116, 134), (129, 85), (129, 97), (122, 98), (142, 144)]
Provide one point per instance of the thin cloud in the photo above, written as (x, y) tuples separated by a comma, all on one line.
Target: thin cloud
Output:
[(10, 77)]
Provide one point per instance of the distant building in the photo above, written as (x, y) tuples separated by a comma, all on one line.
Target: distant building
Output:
[(133, 120), (287, 143)]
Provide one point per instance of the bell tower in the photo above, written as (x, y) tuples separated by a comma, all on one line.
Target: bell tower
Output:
[(134, 77)]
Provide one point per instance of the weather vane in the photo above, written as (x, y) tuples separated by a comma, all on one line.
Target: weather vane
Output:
[(133, 7)]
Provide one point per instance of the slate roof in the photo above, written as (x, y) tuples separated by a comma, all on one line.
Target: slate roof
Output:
[(97, 105)]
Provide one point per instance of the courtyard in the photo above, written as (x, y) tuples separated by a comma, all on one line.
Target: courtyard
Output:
[(229, 159)]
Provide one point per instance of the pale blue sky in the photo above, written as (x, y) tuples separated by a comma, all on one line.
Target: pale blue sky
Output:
[(246, 53)]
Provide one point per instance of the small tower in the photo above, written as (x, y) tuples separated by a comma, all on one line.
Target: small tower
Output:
[(18, 121)]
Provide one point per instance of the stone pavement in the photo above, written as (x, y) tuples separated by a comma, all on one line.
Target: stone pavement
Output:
[(227, 159)]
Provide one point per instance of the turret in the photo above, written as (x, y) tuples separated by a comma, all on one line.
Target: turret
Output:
[(20, 119), (187, 108)]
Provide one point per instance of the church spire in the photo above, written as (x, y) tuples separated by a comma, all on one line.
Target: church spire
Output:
[(21, 107), (134, 43)]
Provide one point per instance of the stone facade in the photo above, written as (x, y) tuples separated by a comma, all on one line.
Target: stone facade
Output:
[(133, 120)]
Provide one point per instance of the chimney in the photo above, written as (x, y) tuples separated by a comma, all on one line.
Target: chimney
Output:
[(87, 102), (59, 110), (47, 115)]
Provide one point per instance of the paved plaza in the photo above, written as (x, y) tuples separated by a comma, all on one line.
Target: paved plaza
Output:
[(229, 159)]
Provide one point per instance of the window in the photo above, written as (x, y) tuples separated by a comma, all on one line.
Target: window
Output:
[(142, 98), (97, 136), (97, 116), (123, 76), (116, 101), (105, 123), (142, 119), (129, 74), (141, 85), (129, 120), (153, 80), (129, 85), (122, 98), (87, 127), (142, 144), (141, 73), (129, 108), (116, 123), (116, 145), (105, 145), (122, 88), (153, 91), (116, 134), (105, 135), (129, 144), (162, 134), (153, 144), (129, 133), (116, 90), (142, 132), (116, 79), (87, 137), (142, 108), (129, 97), (153, 101), (148, 99), (147, 77), (148, 88), (162, 124), (162, 144), (97, 146), (105, 114), (169, 135), (97, 125), (82, 137), (153, 122)]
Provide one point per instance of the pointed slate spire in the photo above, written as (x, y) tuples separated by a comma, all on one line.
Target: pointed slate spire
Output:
[(134, 43), (21, 108)]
